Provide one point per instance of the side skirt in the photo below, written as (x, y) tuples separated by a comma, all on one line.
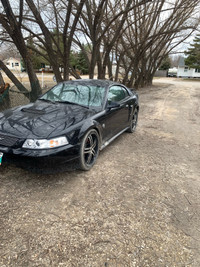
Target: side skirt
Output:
[(112, 139)]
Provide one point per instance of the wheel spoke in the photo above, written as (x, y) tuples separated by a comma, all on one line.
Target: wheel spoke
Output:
[(89, 159), (90, 140), (93, 152), (94, 144), (88, 145), (87, 150)]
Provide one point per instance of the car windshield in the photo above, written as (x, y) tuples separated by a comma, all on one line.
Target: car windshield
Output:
[(89, 95)]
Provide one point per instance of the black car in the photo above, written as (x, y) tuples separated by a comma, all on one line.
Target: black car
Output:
[(74, 119)]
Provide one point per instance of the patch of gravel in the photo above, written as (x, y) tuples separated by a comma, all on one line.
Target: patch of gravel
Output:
[(138, 206)]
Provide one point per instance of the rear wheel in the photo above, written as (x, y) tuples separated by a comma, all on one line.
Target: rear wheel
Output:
[(89, 150), (133, 121)]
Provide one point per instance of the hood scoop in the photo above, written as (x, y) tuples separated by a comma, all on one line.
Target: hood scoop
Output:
[(33, 111)]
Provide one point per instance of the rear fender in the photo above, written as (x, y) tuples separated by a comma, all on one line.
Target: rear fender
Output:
[(136, 107)]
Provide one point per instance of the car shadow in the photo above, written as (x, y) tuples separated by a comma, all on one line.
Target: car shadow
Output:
[(69, 166)]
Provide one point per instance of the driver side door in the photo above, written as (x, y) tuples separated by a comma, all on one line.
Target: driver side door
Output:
[(117, 118)]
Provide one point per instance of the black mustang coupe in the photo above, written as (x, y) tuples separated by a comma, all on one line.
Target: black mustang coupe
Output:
[(74, 119)]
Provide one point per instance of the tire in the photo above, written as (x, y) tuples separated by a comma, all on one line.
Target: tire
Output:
[(89, 150), (134, 120)]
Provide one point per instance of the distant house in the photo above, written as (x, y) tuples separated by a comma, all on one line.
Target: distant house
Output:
[(13, 64), (185, 71)]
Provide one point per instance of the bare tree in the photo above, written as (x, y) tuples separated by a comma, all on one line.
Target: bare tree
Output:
[(153, 30), (97, 20), (13, 27), (51, 32), (56, 32), (133, 35)]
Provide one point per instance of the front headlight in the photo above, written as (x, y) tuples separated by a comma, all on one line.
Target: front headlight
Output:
[(44, 143)]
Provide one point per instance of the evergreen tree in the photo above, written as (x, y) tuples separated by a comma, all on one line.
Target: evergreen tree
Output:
[(193, 54), (73, 59), (165, 64), (82, 63)]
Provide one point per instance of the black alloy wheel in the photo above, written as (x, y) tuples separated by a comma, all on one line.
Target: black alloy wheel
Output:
[(89, 150), (133, 121)]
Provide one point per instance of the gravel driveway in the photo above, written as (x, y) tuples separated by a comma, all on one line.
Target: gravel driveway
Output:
[(138, 206)]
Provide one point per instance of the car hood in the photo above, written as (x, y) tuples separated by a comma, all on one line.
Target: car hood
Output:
[(42, 119)]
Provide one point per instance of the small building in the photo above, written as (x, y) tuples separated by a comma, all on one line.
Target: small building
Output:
[(185, 71), (13, 64)]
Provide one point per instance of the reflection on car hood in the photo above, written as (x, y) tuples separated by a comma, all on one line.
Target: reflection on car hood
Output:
[(41, 119)]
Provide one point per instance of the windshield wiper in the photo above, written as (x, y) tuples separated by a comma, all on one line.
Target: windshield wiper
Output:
[(72, 103)]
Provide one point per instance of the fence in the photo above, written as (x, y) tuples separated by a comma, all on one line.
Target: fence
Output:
[(12, 97), (161, 73)]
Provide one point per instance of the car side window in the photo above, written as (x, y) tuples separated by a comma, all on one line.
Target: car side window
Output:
[(117, 93)]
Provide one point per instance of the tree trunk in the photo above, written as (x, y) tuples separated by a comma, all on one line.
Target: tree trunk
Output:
[(92, 63), (131, 80), (118, 66), (34, 82), (2, 83), (149, 78), (99, 65), (66, 65), (110, 73)]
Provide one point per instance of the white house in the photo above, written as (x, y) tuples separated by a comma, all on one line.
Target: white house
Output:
[(13, 64), (185, 71)]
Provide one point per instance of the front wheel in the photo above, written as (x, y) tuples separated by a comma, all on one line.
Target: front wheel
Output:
[(133, 122), (89, 150)]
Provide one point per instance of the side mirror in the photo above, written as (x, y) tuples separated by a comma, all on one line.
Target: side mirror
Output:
[(112, 105)]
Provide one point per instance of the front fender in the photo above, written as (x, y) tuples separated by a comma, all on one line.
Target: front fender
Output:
[(90, 124)]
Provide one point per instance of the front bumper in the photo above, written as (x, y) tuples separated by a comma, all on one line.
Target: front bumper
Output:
[(40, 159)]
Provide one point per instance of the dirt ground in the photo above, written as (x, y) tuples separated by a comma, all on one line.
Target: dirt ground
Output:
[(138, 206)]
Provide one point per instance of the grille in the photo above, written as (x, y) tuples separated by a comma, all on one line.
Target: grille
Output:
[(7, 140)]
